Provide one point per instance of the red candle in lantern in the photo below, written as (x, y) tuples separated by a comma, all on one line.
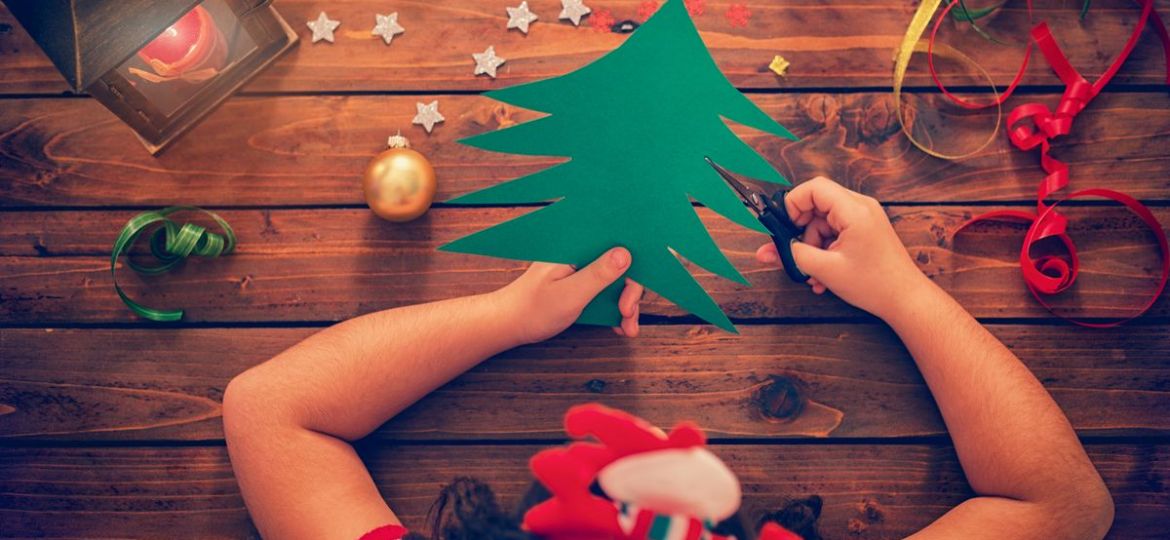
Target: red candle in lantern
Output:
[(193, 44)]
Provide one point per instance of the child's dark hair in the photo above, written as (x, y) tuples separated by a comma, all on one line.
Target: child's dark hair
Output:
[(467, 509)]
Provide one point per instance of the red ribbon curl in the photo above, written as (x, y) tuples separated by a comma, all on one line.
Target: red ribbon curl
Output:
[(1034, 125)]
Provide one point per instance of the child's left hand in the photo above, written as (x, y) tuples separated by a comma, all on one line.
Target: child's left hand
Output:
[(549, 297)]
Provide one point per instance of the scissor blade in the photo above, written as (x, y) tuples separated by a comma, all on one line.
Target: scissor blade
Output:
[(749, 197)]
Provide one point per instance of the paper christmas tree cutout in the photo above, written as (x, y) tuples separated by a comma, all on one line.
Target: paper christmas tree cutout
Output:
[(635, 125)]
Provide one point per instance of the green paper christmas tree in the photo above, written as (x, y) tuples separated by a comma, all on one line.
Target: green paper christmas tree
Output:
[(635, 125)]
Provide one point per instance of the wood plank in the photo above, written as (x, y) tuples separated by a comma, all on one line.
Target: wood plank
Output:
[(329, 265), (774, 381), (869, 491), (312, 150), (828, 43)]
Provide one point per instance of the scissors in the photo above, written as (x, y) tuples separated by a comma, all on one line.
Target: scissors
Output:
[(772, 215)]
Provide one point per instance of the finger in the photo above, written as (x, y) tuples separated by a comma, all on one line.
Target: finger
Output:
[(818, 232), (559, 271), (630, 297), (824, 196), (630, 324), (767, 254), (618, 330), (799, 201), (814, 261), (814, 235), (800, 219), (551, 271), (828, 235), (587, 282)]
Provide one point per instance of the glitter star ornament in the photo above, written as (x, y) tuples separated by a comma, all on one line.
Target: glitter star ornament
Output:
[(428, 115), (520, 17), (573, 10), (486, 62), (323, 27), (387, 27)]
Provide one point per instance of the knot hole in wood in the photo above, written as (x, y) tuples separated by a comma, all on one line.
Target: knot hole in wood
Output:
[(782, 399)]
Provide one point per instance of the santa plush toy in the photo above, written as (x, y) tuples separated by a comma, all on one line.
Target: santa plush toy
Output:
[(660, 486)]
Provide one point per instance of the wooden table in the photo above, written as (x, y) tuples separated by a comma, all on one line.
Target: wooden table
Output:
[(109, 425)]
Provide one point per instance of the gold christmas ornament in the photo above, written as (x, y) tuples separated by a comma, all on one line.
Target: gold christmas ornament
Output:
[(399, 183)]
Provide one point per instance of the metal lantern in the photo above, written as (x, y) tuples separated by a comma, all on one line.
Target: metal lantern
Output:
[(159, 65)]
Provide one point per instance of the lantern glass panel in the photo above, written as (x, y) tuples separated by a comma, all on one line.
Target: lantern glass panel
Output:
[(186, 57)]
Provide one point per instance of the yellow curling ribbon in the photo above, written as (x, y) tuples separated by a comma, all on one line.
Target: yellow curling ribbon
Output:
[(910, 44)]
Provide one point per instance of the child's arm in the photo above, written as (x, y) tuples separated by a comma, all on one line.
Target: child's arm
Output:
[(288, 421), (1016, 447)]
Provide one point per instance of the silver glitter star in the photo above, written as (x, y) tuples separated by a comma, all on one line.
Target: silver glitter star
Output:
[(520, 17), (487, 62), (387, 26), (323, 28), (573, 10), (428, 115)]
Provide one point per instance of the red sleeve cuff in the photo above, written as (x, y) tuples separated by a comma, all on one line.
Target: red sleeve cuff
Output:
[(386, 532)]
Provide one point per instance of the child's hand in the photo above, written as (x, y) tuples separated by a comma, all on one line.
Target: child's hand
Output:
[(849, 247), (549, 297)]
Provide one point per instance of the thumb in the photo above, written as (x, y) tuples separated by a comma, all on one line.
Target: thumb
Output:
[(812, 260), (588, 282)]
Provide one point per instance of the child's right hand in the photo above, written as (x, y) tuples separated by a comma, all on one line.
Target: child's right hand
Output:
[(849, 247)]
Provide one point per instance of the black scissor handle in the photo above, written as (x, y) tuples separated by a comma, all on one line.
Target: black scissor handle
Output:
[(784, 233)]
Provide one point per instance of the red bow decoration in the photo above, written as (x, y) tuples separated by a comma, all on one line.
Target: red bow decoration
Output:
[(1034, 125)]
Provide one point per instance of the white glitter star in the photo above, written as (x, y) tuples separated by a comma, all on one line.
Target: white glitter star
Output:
[(323, 28), (428, 115), (387, 26), (487, 62), (573, 11), (520, 17)]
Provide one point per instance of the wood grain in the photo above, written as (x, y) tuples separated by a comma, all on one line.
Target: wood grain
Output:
[(312, 150), (828, 43), (774, 381), (870, 492), (330, 265), (111, 426)]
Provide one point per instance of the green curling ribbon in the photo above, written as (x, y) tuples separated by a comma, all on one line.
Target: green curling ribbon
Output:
[(170, 244), (963, 14), (971, 15)]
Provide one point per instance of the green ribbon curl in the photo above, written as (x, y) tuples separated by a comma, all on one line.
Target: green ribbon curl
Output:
[(170, 244), (963, 14)]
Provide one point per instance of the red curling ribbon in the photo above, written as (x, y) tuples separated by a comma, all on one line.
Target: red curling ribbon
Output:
[(1034, 125), (956, 99)]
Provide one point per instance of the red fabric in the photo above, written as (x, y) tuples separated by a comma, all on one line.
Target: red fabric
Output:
[(1034, 125), (772, 531), (642, 523), (386, 532)]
